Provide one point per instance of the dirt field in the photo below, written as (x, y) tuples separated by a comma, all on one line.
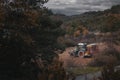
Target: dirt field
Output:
[(70, 61)]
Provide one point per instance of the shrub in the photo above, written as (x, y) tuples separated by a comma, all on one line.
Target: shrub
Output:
[(107, 56), (108, 73), (69, 43)]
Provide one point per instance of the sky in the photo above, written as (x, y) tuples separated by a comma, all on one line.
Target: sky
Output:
[(73, 7)]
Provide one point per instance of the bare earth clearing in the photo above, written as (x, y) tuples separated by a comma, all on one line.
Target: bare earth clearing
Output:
[(70, 61)]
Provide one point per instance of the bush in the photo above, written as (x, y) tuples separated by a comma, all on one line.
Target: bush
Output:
[(108, 73), (69, 43), (107, 56)]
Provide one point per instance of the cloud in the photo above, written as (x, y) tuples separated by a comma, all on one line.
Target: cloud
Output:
[(72, 7)]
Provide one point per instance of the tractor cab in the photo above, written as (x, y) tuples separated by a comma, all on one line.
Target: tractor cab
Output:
[(82, 49)]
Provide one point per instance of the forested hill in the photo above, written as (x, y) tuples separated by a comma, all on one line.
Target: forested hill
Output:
[(103, 21)]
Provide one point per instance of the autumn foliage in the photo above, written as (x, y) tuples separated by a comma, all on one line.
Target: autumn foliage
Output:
[(26, 38)]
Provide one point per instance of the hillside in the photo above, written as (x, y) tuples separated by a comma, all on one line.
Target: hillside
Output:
[(91, 26), (94, 20)]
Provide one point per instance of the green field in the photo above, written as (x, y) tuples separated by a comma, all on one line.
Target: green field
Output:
[(80, 71)]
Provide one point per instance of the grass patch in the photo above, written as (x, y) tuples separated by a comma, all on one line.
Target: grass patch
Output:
[(80, 71)]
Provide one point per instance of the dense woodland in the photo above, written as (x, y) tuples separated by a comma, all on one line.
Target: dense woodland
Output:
[(28, 41)]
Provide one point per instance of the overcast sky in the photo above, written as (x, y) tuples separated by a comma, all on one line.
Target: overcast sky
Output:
[(72, 7)]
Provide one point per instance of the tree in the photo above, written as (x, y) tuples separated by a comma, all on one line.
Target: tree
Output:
[(21, 31), (46, 40), (112, 23)]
